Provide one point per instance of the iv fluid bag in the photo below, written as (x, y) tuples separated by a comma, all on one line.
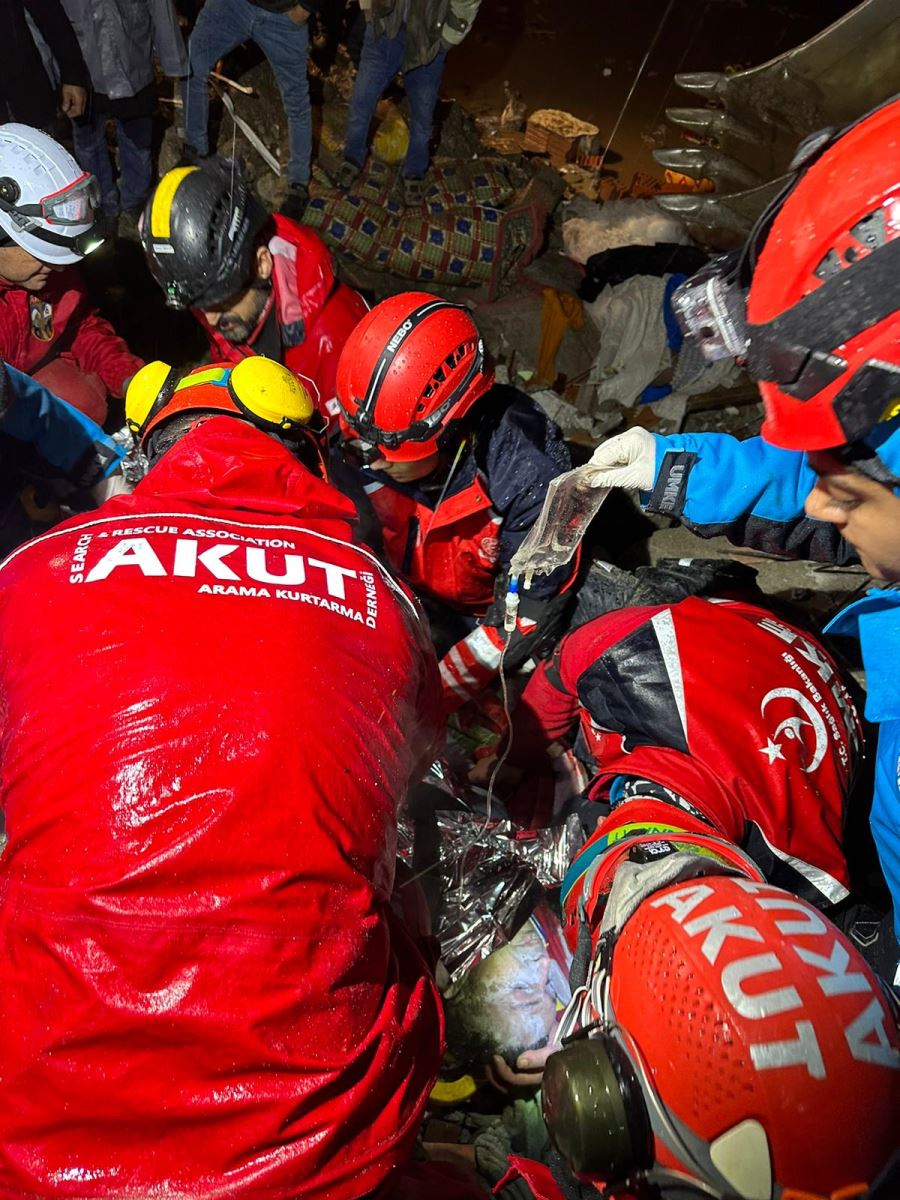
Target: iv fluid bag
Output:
[(570, 505)]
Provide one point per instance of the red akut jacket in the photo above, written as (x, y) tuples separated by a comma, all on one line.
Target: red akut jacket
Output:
[(61, 319), (315, 313), (212, 705), (740, 715)]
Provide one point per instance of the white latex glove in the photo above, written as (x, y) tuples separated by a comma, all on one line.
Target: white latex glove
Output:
[(627, 460)]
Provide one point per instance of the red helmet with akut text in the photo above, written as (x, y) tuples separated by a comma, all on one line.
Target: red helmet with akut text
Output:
[(734, 1044), (824, 302), (413, 365)]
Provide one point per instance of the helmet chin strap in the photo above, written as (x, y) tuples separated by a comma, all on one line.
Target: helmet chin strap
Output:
[(440, 500)]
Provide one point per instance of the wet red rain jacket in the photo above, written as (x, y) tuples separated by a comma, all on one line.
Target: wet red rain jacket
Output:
[(60, 319), (212, 704), (315, 313), (742, 716)]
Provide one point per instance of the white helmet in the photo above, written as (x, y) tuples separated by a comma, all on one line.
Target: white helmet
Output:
[(47, 202)]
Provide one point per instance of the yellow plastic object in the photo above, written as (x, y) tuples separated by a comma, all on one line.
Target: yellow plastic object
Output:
[(47, 514), (392, 139), (453, 1091), (687, 183), (271, 392), (142, 393)]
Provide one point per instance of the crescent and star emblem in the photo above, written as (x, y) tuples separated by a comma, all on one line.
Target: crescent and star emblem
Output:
[(790, 729)]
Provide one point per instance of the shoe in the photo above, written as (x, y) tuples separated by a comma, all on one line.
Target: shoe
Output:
[(414, 191), (347, 175), (191, 157), (295, 202)]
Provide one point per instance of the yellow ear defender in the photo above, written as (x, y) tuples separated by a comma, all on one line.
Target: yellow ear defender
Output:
[(271, 394), (150, 388)]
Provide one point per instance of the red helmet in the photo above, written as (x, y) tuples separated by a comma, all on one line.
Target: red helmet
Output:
[(735, 1045), (824, 303), (410, 367)]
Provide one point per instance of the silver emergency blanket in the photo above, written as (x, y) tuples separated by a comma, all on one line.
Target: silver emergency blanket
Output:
[(492, 875)]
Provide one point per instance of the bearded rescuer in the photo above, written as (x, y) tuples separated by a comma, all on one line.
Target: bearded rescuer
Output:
[(457, 468), (257, 284), (206, 993)]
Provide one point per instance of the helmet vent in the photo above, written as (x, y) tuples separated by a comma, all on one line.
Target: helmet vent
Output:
[(219, 218), (869, 233), (443, 371)]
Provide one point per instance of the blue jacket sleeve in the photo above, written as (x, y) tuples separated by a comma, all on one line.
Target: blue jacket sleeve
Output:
[(750, 492), (62, 436)]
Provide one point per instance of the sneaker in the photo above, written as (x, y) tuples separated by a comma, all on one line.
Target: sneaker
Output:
[(347, 175), (295, 202), (413, 191)]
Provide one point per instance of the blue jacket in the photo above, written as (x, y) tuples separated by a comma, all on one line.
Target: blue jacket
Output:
[(753, 494), (749, 492), (61, 435), (875, 621)]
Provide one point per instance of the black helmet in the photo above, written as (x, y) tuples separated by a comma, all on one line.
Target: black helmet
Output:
[(199, 232)]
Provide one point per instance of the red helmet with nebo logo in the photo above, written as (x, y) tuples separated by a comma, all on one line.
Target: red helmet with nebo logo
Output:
[(824, 302), (413, 365), (737, 1045)]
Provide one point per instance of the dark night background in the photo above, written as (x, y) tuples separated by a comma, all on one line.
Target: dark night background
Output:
[(554, 53)]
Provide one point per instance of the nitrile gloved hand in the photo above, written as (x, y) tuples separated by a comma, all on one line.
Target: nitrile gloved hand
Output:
[(627, 460)]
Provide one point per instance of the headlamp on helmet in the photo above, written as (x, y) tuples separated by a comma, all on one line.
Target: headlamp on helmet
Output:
[(711, 309)]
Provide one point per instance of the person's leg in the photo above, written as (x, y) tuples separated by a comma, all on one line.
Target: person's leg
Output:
[(135, 135), (380, 61), (422, 87), (92, 153), (221, 27), (286, 45)]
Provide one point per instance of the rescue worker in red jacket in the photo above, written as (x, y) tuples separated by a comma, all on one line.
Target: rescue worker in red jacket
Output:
[(458, 468), (725, 1034), (257, 284), (723, 719), (205, 992), (48, 327)]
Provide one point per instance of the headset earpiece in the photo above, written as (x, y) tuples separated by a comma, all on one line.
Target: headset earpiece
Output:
[(595, 1111)]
